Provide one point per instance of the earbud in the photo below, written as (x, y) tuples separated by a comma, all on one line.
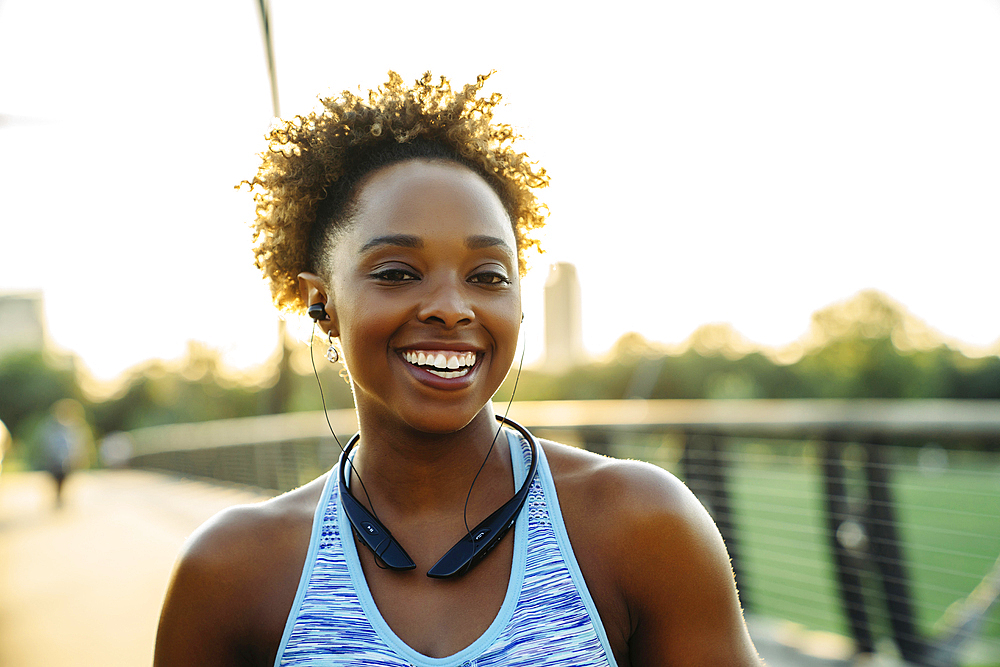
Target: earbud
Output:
[(522, 317), (318, 312)]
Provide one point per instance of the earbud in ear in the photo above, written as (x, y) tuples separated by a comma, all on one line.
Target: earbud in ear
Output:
[(318, 312)]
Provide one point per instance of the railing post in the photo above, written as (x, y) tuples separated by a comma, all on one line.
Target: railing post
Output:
[(845, 562), (887, 553), (704, 466)]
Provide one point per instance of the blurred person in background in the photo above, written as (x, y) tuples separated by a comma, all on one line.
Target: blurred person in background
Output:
[(400, 222), (63, 438)]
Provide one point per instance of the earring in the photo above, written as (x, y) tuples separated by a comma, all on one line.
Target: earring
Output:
[(331, 353)]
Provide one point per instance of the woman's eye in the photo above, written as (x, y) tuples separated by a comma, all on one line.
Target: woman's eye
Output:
[(394, 275), (490, 278)]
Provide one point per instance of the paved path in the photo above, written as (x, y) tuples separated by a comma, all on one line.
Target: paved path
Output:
[(82, 585)]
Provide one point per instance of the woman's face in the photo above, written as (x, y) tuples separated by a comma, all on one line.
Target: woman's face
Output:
[(425, 296)]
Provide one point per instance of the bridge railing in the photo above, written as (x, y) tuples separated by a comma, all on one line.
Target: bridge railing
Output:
[(875, 519)]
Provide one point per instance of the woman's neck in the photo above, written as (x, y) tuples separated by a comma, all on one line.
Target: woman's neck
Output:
[(411, 472)]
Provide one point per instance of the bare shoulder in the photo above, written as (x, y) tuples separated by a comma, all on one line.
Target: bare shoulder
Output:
[(626, 508), (236, 534), (653, 560), (246, 558), (631, 491)]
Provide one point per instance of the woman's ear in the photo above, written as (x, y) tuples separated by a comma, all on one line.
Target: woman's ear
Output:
[(313, 291)]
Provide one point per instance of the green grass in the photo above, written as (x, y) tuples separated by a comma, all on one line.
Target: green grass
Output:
[(783, 547), (951, 529), (949, 521)]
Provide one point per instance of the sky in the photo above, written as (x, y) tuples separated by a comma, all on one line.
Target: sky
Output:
[(717, 161)]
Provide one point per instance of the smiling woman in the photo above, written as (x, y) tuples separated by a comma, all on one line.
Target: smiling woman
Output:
[(400, 222)]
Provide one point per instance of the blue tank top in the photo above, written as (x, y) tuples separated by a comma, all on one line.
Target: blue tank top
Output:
[(548, 617)]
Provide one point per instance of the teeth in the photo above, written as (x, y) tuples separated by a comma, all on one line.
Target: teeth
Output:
[(449, 374), (446, 364)]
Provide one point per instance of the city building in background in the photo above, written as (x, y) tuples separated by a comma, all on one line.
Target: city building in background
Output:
[(563, 322), (22, 322)]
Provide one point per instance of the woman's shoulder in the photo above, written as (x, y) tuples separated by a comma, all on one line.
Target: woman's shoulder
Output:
[(620, 506), (235, 580), (245, 534), (627, 489), (647, 547)]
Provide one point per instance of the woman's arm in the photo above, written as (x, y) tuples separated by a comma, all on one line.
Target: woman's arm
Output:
[(234, 583), (200, 624), (677, 578)]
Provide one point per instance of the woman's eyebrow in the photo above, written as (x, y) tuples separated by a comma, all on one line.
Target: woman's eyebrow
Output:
[(399, 240), (479, 242)]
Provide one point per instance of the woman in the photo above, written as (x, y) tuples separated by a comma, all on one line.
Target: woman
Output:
[(401, 222)]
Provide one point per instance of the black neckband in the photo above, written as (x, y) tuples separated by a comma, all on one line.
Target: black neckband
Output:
[(468, 551)]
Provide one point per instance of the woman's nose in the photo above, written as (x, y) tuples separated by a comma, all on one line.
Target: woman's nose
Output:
[(447, 304)]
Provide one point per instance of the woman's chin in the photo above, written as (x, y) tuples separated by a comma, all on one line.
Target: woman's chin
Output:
[(442, 421), (424, 408)]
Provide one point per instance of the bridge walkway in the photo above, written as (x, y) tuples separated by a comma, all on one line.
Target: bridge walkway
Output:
[(82, 584)]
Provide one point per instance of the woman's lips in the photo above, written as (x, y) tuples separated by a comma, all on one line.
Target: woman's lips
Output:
[(448, 365)]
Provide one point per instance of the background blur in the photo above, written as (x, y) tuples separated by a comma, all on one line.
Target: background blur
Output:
[(723, 161), (768, 200)]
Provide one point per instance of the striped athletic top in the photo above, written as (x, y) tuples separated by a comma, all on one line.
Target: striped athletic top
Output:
[(547, 618)]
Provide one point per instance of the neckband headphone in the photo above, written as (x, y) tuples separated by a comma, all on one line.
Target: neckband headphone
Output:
[(471, 549)]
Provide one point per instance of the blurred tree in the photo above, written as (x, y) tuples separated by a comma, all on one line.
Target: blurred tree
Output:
[(197, 391), (866, 347), (30, 382)]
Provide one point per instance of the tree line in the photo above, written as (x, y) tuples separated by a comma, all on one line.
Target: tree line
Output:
[(866, 347)]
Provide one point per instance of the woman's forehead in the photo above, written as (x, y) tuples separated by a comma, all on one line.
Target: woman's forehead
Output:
[(429, 199)]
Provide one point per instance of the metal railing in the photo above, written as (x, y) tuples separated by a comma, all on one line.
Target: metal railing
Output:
[(827, 523)]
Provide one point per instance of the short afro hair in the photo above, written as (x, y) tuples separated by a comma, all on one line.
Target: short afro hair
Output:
[(307, 179)]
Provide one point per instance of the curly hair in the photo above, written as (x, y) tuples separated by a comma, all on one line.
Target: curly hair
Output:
[(307, 180)]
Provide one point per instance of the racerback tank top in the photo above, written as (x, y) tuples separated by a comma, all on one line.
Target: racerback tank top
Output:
[(548, 617)]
